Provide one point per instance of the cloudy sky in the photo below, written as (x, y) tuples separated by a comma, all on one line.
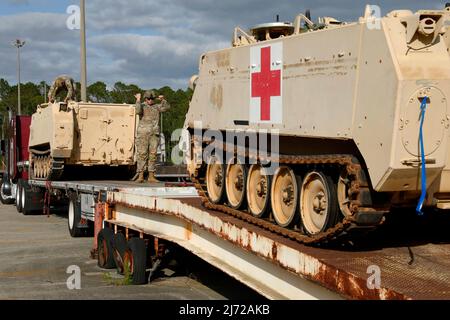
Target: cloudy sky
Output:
[(147, 42)]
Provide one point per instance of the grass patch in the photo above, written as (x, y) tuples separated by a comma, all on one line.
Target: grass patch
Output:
[(127, 277)]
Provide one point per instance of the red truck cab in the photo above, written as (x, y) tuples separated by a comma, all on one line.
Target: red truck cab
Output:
[(14, 148)]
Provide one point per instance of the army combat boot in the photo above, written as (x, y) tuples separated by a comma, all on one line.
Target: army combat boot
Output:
[(151, 178), (140, 179)]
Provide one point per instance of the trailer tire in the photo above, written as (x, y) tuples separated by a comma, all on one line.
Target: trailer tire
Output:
[(17, 194), (74, 217), (19, 197), (105, 249), (3, 198), (120, 246), (136, 257), (25, 198), (91, 229)]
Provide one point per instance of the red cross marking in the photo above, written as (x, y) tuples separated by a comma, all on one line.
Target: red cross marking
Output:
[(266, 84)]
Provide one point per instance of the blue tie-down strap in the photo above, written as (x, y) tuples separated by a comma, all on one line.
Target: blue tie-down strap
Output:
[(423, 109)]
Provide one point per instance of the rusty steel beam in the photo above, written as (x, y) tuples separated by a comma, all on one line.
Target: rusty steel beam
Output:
[(185, 222)]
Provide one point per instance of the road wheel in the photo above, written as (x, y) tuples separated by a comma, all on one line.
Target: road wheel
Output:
[(38, 167), (215, 180), (19, 197), (236, 178), (285, 196), (74, 217), (120, 246), (135, 258), (258, 191), (105, 249), (47, 166), (318, 203), (343, 187)]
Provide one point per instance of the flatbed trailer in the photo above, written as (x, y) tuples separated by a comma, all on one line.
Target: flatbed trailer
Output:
[(274, 266), (80, 197)]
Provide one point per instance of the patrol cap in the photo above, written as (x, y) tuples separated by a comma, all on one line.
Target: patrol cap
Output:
[(151, 94)]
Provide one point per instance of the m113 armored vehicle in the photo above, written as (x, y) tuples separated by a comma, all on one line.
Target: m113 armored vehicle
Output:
[(359, 113), (80, 134)]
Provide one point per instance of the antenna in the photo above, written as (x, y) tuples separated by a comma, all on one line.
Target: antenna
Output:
[(278, 18), (308, 14)]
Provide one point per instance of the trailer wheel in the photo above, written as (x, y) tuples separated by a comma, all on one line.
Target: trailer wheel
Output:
[(16, 193), (105, 249), (5, 189), (25, 198), (91, 229), (120, 246), (74, 217), (19, 197), (135, 258)]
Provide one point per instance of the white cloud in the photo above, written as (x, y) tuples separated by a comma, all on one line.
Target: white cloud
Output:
[(147, 42), (49, 47)]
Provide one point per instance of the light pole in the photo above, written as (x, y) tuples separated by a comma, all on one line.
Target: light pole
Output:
[(43, 90), (83, 81), (162, 141), (18, 44)]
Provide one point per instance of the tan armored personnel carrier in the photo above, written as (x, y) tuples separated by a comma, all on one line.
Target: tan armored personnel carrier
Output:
[(80, 134), (344, 105)]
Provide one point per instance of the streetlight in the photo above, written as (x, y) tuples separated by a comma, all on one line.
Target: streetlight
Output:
[(18, 44)]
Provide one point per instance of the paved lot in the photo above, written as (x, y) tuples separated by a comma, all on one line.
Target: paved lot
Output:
[(35, 252)]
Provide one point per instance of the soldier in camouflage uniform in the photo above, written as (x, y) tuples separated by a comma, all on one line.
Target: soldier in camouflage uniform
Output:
[(60, 83), (147, 140)]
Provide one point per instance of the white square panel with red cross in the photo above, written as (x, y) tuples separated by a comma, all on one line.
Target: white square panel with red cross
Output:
[(266, 74)]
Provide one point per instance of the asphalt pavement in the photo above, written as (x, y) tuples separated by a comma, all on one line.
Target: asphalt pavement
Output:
[(37, 252)]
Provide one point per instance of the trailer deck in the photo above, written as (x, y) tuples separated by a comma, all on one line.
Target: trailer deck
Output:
[(413, 264), (279, 268), (163, 190)]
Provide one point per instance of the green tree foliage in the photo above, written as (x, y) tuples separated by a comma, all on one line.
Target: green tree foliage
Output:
[(123, 93), (31, 96), (5, 89), (98, 93), (174, 118)]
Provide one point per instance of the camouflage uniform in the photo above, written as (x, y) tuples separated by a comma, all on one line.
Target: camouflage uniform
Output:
[(147, 140), (60, 83)]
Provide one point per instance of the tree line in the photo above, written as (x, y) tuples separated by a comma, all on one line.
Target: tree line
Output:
[(33, 94)]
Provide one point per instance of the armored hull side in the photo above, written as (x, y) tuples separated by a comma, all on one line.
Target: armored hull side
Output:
[(359, 89), (81, 134)]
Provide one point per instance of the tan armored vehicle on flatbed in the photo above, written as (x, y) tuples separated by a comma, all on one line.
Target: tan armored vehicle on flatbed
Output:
[(357, 115), (80, 134)]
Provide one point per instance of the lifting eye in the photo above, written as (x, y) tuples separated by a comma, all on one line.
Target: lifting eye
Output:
[(427, 26)]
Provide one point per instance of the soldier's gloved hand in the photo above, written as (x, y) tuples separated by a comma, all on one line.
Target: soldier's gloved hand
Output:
[(138, 97)]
